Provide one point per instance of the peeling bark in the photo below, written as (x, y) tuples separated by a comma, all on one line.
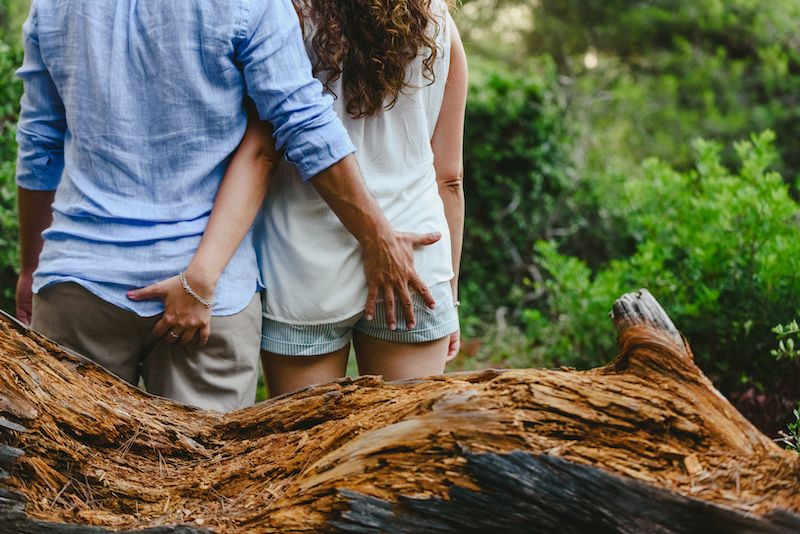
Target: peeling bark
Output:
[(643, 444)]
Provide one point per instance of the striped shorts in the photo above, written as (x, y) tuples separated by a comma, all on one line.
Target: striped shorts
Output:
[(314, 340)]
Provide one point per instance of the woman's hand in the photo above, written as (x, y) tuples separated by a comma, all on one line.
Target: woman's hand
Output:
[(455, 345), (185, 319)]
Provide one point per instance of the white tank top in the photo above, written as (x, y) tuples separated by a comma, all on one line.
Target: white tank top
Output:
[(310, 264)]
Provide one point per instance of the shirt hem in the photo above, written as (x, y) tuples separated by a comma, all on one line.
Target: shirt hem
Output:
[(124, 306)]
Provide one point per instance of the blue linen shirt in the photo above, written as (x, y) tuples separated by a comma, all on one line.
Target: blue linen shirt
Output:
[(131, 112)]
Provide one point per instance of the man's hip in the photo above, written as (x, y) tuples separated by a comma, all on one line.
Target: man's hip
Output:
[(222, 375)]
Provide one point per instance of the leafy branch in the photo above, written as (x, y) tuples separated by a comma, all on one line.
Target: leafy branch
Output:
[(788, 347), (791, 439)]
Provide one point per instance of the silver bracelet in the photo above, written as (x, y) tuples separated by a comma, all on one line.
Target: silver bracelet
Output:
[(457, 303), (192, 293)]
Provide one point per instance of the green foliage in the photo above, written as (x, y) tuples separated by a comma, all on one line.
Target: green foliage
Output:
[(719, 248), (12, 15), (791, 438), (638, 111), (10, 93), (787, 341), (666, 71), (500, 346), (518, 188)]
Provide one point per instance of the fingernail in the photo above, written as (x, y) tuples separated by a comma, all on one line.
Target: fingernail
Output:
[(411, 326), (369, 317), (392, 327), (433, 306)]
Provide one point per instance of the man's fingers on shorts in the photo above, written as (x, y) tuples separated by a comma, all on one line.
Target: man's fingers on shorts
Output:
[(389, 304), (372, 297), (422, 289), (408, 306)]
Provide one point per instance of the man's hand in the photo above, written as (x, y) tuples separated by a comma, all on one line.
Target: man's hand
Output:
[(389, 266), (24, 296), (184, 317), (388, 255)]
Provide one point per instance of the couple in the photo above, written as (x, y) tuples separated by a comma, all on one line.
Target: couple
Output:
[(154, 206)]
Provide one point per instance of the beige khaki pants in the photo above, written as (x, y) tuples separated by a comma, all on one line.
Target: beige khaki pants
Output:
[(222, 375)]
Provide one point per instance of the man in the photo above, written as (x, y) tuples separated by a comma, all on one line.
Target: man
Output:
[(130, 113)]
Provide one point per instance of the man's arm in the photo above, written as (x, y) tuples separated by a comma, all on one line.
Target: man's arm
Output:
[(40, 158), (35, 217), (278, 75)]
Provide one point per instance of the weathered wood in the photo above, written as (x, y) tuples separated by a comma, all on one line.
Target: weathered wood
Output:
[(518, 494), (8, 455), (642, 309), (643, 444)]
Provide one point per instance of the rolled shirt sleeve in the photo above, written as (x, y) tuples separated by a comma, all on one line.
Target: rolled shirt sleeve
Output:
[(279, 79), (42, 122)]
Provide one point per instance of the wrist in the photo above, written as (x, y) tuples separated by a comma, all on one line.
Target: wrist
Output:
[(381, 232), (203, 281)]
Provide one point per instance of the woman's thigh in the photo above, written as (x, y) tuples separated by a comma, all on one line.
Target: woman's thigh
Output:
[(398, 361), (286, 374)]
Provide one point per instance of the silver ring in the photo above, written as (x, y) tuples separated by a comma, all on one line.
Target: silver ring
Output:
[(173, 334)]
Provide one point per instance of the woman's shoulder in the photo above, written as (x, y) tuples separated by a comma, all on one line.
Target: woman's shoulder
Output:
[(442, 19)]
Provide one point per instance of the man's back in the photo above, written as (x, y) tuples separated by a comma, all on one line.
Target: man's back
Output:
[(152, 96), (140, 103)]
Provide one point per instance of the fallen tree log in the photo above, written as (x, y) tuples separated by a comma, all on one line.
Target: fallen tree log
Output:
[(644, 444)]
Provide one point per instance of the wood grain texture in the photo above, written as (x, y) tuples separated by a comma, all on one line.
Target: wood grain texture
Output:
[(519, 486), (522, 449)]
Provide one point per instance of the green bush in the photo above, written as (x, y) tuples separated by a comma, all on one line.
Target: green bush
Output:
[(518, 188), (720, 249), (662, 71), (12, 15), (10, 93), (788, 347)]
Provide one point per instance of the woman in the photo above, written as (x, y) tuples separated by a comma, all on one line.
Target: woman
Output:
[(398, 71)]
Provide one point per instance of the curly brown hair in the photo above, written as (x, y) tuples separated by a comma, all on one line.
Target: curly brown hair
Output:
[(369, 44)]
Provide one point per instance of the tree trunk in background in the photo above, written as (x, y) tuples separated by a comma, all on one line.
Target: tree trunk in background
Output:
[(643, 444)]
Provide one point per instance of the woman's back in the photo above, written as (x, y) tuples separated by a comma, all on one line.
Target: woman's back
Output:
[(310, 263)]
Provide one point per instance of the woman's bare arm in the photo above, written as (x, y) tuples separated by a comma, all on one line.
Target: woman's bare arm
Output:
[(238, 201), (448, 152)]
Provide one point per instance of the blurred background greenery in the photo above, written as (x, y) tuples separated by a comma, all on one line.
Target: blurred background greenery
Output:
[(611, 145)]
